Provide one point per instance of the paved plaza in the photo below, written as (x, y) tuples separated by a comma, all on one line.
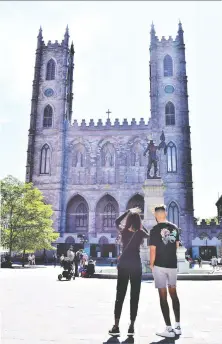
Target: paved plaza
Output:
[(36, 308)]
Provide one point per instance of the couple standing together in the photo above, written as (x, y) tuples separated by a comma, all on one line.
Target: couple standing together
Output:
[(164, 241)]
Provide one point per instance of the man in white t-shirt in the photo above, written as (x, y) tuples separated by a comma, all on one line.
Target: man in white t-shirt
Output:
[(70, 254)]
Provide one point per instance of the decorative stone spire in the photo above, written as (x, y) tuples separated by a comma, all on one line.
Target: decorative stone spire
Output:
[(72, 51), (180, 33), (66, 36), (152, 29), (152, 35), (39, 37), (40, 32)]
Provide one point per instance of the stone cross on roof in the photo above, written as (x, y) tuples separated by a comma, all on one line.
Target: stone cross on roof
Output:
[(108, 112)]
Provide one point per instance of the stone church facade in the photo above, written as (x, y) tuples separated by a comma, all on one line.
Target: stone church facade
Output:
[(91, 173)]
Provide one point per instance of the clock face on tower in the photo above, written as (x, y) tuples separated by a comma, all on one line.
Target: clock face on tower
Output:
[(169, 89), (49, 92)]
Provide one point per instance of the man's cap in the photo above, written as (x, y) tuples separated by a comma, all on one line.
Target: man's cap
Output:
[(160, 207)]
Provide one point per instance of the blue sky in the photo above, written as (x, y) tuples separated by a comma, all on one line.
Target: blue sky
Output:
[(112, 71)]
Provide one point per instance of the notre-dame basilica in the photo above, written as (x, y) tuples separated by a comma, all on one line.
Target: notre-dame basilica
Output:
[(91, 172)]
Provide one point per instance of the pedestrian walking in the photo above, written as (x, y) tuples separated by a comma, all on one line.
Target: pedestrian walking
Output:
[(129, 267), (84, 259), (55, 259), (61, 259), (33, 259), (199, 262), (164, 241), (214, 262), (81, 263), (29, 259), (77, 262), (70, 254)]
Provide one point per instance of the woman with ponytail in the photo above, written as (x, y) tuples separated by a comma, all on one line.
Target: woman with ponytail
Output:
[(129, 266)]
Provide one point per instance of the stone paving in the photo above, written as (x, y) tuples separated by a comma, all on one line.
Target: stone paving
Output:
[(36, 308)]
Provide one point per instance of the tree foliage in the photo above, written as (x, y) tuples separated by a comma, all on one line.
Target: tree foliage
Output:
[(26, 224), (208, 220), (212, 219)]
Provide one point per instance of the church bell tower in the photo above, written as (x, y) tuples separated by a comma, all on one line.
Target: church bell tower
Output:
[(51, 114), (169, 112)]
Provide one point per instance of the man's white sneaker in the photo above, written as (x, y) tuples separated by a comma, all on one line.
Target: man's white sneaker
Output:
[(178, 331), (168, 333)]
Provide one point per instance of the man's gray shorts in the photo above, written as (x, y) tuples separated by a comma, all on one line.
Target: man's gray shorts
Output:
[(164, 277)]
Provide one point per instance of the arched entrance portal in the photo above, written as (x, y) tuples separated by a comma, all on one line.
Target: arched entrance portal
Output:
[(136, 201), (63, 247), (77, 215), (70, 242), (104, 246), (107, 210)]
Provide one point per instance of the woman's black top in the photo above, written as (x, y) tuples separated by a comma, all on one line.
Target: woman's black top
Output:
[(130, 257)]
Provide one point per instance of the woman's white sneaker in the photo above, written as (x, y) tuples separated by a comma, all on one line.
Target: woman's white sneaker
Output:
[(178, 331), (168, 333)]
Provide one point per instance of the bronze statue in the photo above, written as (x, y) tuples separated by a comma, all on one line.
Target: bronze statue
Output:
[(152, 157)]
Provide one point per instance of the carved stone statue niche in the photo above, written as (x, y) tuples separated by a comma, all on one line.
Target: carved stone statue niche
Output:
[(79, 158)]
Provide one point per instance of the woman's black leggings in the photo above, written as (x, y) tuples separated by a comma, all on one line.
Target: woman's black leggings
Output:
[(124, 275)]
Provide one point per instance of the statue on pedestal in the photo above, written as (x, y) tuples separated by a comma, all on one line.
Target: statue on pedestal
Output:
[(152, 156)]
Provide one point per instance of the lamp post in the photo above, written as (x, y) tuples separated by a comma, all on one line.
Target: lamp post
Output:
[(206, 247)]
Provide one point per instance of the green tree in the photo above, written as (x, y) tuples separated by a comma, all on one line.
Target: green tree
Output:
[(208, 221), (26, 223), (11, 210)]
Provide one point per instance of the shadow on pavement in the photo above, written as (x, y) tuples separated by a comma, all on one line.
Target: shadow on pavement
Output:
[(166, 341), (113, 340), (129, 340), (27, 267)]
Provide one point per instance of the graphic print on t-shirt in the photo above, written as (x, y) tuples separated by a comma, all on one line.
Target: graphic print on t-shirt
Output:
[(167, 236)]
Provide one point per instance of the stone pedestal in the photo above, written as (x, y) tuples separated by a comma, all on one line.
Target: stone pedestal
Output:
[(145, 256), (153, 195), (182, 263)]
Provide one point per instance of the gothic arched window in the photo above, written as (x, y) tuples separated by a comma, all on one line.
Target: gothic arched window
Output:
[(170, 113), (81, 215), (50, 70), (45, 160), (173, 213), (171, 157), (47, 119), (109, 215), (168, 65)]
